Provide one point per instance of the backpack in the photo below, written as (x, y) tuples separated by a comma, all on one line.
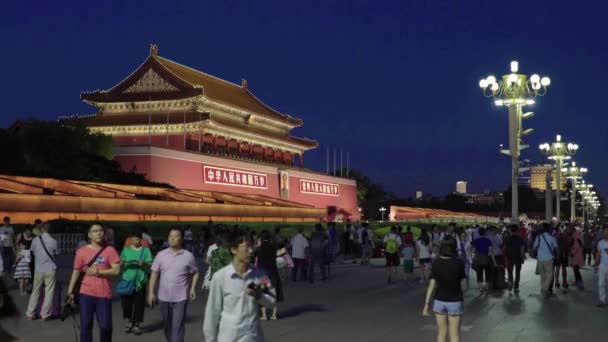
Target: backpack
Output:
[(391, 246), (364, 237)]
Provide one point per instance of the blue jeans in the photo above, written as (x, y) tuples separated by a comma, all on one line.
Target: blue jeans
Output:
[(100, 307)]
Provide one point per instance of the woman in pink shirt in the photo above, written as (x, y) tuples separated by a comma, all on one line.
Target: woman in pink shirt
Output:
[(577, 259), (95, 293)]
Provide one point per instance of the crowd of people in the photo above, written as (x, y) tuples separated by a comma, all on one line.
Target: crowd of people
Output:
[(493, 252), (245, 271)]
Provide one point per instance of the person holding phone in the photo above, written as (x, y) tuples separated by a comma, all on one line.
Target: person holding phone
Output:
[(136, 260), (235, 293), (97, 263)]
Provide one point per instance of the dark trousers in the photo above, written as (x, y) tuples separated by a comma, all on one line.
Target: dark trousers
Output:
[(577, 274), (317, 260), (133, 306), (102, 309), (174, 317), (587, 254), (517, 266), (8, 258), (480, 270), (298, 264)]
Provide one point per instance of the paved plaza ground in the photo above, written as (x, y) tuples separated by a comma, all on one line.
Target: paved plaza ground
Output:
[(358, 305)]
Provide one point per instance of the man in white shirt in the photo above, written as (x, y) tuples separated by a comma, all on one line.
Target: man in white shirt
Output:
[(6, 244), (299, 244), (44, 248), (235, 294), (601, 267)]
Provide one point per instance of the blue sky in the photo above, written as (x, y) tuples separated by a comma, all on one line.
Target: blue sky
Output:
[(395, 83)]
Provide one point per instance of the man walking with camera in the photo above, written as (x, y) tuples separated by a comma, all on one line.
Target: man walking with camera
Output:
[(235, 293), (44, 248)]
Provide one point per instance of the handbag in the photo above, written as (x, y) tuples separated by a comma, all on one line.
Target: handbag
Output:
[(127, 287), (8, 308), (78, 284)]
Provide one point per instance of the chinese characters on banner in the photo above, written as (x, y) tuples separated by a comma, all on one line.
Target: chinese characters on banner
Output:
[(223, 176), (319, 188)]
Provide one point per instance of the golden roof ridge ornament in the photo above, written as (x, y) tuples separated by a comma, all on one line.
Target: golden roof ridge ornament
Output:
[(153, 49)]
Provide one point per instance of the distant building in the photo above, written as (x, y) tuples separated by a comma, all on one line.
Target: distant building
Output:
[(538, 175), (461, 187), (485, 199), (418, 195)]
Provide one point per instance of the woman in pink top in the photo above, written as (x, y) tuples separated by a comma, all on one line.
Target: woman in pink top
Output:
[(95, 292), (576, 257)]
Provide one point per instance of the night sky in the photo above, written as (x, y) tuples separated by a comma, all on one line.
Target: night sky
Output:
[(393, 82)]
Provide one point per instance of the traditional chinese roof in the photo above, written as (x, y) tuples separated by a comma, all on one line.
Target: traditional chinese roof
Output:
[(156, 118), (160, 118), (159, 78)]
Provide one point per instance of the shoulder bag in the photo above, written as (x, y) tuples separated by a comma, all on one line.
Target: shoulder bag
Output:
[(81, 276), (47, 251), (127, 287)]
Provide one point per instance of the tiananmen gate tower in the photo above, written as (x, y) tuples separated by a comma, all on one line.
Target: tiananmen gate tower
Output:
[(194, 131)]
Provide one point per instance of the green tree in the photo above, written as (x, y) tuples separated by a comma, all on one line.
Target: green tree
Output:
[(48, 149)]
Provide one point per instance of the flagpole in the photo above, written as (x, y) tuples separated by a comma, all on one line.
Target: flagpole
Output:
[(327, 154), (334, 161), (347, 164)]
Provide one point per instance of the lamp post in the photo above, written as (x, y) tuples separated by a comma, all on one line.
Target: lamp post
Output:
[(585, 190), (591, 204), (515, 91), (574, 172), (558, 151), (382, 210)]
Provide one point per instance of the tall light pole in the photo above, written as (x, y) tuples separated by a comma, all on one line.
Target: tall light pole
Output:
[(574, 172), (382, 210), (588, 198), (585, 191), (558, 151), (515, 91)]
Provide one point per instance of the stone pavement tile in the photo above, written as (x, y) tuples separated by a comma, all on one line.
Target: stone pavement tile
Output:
[(532, 338), (500, 337)]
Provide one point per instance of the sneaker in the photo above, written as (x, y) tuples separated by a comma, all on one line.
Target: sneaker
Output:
[(601, 305), (137, 330), (128, 327)]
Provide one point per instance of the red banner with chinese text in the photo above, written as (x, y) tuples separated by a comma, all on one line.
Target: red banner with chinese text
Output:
[(223, 176), (319, 188)]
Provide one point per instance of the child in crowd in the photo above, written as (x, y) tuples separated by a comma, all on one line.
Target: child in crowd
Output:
[(409, 254), (23, 273)]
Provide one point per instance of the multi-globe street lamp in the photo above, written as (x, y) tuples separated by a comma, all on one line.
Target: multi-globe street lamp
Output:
[(515, 91), (558, 151), (590, 204), (573, 172), (382, 210), (586, 194)]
